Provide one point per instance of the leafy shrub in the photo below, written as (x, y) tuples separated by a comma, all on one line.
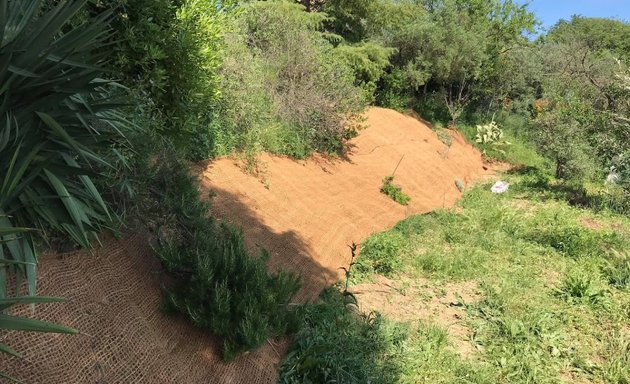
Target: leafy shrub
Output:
[(368, 60), (394, 191), (349, 18), (145, 51), (381, 253), (170, 50), (561, 137), (338, 345), (284, 89), (195, 85), (394, 91), (216, 282)]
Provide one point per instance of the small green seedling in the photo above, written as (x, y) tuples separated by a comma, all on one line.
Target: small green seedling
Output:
[(394, 191)]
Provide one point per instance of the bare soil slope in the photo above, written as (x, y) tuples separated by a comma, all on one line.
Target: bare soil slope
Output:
[(307, 212)]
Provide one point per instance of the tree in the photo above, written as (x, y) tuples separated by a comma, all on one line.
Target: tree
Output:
[(349, 18), (453, 47), (597, 34), (583, 80)]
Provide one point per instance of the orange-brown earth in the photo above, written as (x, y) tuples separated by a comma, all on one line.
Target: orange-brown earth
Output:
[(307, 212)]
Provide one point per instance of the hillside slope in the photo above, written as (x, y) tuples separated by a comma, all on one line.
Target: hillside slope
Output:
[(311, 210), (307, 212)]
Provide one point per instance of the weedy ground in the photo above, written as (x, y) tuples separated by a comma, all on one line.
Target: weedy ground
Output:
[(551, 301), (553, 282)]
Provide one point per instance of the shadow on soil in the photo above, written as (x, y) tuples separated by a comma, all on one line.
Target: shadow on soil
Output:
[(287, 250)]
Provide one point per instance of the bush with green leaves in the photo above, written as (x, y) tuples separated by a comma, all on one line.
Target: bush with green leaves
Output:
[(562, 139), (215, 280), (395, 192), (170, 51), (336, 344), (283, 88), (368, 61)]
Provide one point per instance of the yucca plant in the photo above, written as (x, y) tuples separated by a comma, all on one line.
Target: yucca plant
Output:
[(57, 119)]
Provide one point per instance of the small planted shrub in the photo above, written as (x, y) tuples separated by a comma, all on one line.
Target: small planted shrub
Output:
[(380, 253), (394, 191), (215, 281)]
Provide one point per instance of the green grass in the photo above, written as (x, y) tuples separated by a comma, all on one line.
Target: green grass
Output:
[(555, 304), (517, 150), (551, 263), (339, 344)]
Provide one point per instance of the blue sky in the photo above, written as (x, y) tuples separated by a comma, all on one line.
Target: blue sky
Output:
[(550, 11)]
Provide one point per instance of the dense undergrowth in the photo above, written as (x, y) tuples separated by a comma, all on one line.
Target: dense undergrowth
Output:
[(283, 88)]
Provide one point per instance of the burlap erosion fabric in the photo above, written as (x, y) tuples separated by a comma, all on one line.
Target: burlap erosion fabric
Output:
[(307, 212), (114, 299)]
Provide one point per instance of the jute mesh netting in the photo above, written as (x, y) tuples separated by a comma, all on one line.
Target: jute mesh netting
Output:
[(305, 216), (114, 300)]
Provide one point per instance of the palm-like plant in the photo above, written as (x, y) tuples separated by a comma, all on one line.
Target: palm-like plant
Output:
[(56, 121)]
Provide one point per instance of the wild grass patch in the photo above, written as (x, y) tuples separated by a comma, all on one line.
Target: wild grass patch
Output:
[(339, 344), (381, 253), (554, 289)]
